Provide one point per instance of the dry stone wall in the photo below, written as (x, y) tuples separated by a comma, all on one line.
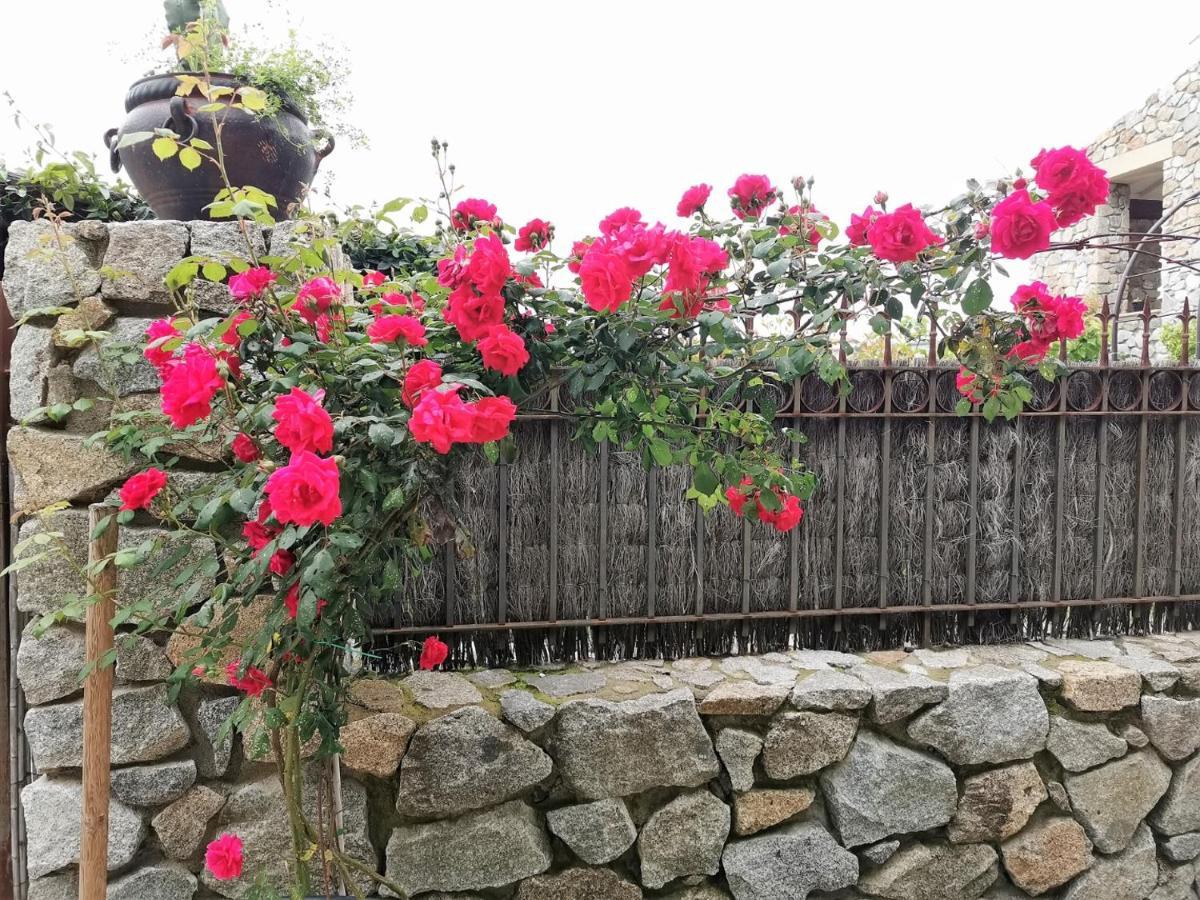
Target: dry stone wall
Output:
[(1066, 769)]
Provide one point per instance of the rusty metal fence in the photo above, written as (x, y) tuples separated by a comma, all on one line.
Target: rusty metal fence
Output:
[(1080, 516)]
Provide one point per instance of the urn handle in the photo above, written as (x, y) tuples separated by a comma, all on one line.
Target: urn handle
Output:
[(114, 156), (180, 121), (323, 152)]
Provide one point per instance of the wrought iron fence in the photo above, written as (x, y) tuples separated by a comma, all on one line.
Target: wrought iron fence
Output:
[(1080, 516)]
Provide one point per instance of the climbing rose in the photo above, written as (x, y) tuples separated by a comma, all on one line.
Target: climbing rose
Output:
[(372, 278), (189, 386), (1020, 227), (533, 235), (750, 195), (231, 337), (491, 418), (138, 491), (251, 283), (620, 218), (1075, 184), (315, 297), (1049, 318), (900, 236), (856, 231), (503, 351), (387, 329), (966, 384), (803, 220), (253, 683), (578, 250), (306, 490), (433, 653), (281, 562), (737, 497), (693, 200), (786, 518), (474, 315), (303, 422), (224, 857), (640, 246), (245, 449), (605, 280), (159, 334), (473, 211), (453, 269), (489, 267), (259, 533), (291, 602), (395, 299), (424, 374), (441, 419)]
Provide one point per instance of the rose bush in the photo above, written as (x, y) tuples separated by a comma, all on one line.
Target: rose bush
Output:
[(344, 397)]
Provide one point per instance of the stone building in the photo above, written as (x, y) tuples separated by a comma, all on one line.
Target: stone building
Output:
[(1152, 157)]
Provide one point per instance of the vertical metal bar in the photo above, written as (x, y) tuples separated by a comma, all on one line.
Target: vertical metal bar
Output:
[(602, 545), (930, 468), (885, 475), (555, 500), (973, 503), (1014, 571), (502, 523), (1060, 473), (651, 549), (746, 567), (1139, 525), (794, 536), (839, 536), (449, 555), (1180, 470), (1101, 464)]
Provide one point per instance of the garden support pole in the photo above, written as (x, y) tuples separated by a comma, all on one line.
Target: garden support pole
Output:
[(97, 709)]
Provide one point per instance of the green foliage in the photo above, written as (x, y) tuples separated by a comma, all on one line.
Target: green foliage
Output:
[(67, 185), (1086, 347), (371, 243), (1171, 336)]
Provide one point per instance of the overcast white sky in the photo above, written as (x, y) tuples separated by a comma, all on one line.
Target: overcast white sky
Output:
[(566, 110)]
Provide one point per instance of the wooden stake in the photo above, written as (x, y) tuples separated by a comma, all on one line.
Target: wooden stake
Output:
[(97, 710)]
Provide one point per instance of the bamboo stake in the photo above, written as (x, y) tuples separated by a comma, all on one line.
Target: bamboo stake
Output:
[(97, 710)]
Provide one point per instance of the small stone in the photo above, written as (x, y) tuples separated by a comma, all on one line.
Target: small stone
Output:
[(801, 743), (596, 832), (1082, 745), (490, 848), (40, 271), (140, 659), (225, 241), (1173, 726), (882, 788), (1090, 649), (788, 864), (139, 256), (1182, 847), (375, 745), (212, 756), (492, 678), (1134, 736), (579, 884), (1047, 854), (1111, 801), (153, 785), (1129, 875), (818, 659), (606, 749), (1179, 812), (685, 837), (440, 690), (758, 810), (525, 711), (830, 690), (992, 715), (1174, 882), (944, 659), (570, 684), (52, 809), (1158, 674), (996, 804), (164, 881), (62, 886), (744, 698), (1058, 796), (701, 678), (1095, 686), (738, 750), (705, 890), (466, 760), (760, 672), (182, 825), (31, 361), (92, 314), (51, 466), (934, 871), (897, 695), (881, 852)]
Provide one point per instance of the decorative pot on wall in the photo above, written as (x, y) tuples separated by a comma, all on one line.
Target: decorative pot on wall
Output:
[(276, 154)]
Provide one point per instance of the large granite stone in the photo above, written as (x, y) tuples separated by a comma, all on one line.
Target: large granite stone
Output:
[(897, 695), (145, 727), (31, 360), (1182, 847), (52, 466), (375, 745), (1173, 726), (466, 760), (788, 864), (996, 804), (578, 884), (1129, 875), (140, 254), (991, 715), (762, 808), (1098, 686), (800, 743), (1179, 812), (155, 784), (606, 749), (1157, 674), (52, 808), (487, 849), (1111, 801), (570, 684), (182, 825), (60, 886), (1175, 882), (934, 871), (226, 241), (744, 698), (597, 832), (685, 837), (161, 881), (1047, 854), (40, 270), (70, 329), (739, 750), (99, 365), (48, 667), (882, 788), (440, 690), (1079, 746), (831, 690)]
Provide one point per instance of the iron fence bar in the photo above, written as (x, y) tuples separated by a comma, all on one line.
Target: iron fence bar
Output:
[(1180, 469), (794, 536), (502, 525), (745, 630), (973, 523), (1087, 603), (1014, 572), (450, 592), (931, 377), (1139, 538), (1060, 474), (839, 507), (1101, 464), (602, 542), (555, 499), (885, 477), (651, 546)]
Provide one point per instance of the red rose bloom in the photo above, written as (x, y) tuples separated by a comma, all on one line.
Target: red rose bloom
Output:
[(303, 424), (306, 490), (141, 489), (253, 683), (473, 314), (291, 602), (900, 236), (856, 231), (802, 220), (605, 280), (315, 297), (489, 266), (387, 329), (693, 200), (161, 340), (737, 497), (1020, 227), (372, 278), (491, 418), (189, 386), (223, 857), (441, 419), (231, 337), (620, 218), (395, 299), (250, 284), (533, 235), (245, 449), (503, 351), (423, 375), (433, 653), (578, 250), (966, 384), (750, 195), (642, 248), (472, 212), (453, 269), (281, 562)]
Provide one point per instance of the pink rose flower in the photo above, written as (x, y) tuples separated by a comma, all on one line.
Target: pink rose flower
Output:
[(422, 376), (223, 857), (306, 490), (387, 329), (250, 284), (245, 449), (303, 424), (491, 418), (605, 280), (189, 387), (441, 419), (503, 351), (900, 236), (472, 212), (751, 195), (162, 338), (693, 200), (856, 231), (315, 297), (1020, 227), (141, 489), (533, 235)]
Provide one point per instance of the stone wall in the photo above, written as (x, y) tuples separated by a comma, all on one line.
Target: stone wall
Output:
[(1065, 769)]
